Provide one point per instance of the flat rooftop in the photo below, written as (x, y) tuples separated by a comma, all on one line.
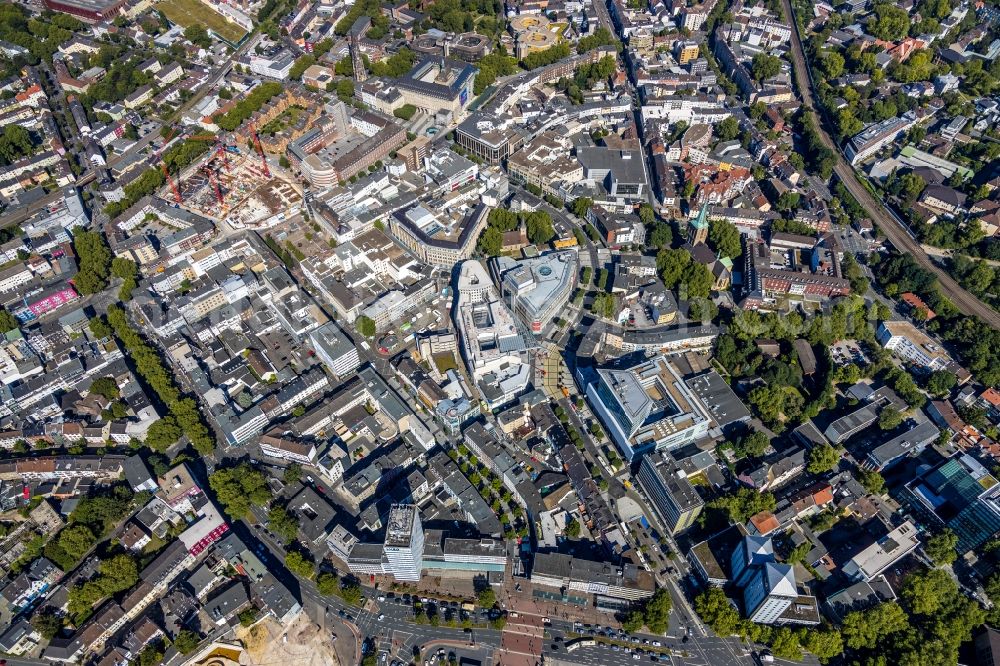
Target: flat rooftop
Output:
[(399, 527)]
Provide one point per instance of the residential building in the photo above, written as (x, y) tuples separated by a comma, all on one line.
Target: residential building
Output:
[(912, 345)]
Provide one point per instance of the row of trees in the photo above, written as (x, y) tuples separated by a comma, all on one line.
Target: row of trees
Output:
[(249, 105), (184, 416)]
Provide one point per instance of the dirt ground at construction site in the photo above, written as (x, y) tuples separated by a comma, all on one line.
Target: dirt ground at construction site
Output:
[(303, 643)]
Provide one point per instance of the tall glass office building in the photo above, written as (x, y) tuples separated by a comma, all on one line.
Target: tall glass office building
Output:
[(961, 495)]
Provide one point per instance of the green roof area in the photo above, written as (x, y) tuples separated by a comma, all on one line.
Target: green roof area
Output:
[(918, 157)]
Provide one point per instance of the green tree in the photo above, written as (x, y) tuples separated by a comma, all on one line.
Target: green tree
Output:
[(604, 305), (671, 264), (573, 529), (728, 129), (47, 623), (76, 540), (490, 241), (889, 22), (825, 643), (661, 236), (764, 66), (822, 458), (581, 206), (124, 268), (926, 592), (714, 609), (297, 563), (647, 214), (864, 629), (941, 547), (656, 612), (8, 322), (292, 473), (788, 201), (105, 386), (753, 445), (186, 641), (941, 382), (345, 90), (697, 280), (832, 64), (724, 239), (327, 584), (282, 523), (742, 504), (365, 326), (94, 260), (871, 480), (633, 621), (487, 598), (539, 227), (890, 418), (197, 34), (163, 434), (238, 488)]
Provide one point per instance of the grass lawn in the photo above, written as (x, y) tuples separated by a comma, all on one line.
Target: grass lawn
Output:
[(189, 12), (445, 362)]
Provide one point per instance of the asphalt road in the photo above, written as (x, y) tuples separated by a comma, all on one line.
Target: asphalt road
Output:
[(887, 222)]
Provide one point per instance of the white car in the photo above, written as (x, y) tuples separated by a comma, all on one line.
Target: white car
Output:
[(381, 617), (381, 598)]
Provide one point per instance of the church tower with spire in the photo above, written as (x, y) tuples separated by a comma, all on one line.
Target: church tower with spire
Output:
[(698, 229)]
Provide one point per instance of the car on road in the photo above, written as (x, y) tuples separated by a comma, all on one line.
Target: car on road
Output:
[(381, 617)]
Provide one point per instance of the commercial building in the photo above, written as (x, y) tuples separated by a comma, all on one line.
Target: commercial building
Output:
[(959, 494), (404, 543), (492, 342), (335, 348), (91, 11), (537, 289), (882, 554), (910, 443), (674, 499), (442, 238), (439, 84), (768, 589), (490, 137), (647, 407), (565, 572)]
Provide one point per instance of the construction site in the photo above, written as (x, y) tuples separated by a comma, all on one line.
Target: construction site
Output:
[(233, 184)]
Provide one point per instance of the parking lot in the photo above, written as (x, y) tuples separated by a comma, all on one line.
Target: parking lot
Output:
[(848, 351)]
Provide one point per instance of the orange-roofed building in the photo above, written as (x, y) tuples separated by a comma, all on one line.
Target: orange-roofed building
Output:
[(763, 523), (917, 303)]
